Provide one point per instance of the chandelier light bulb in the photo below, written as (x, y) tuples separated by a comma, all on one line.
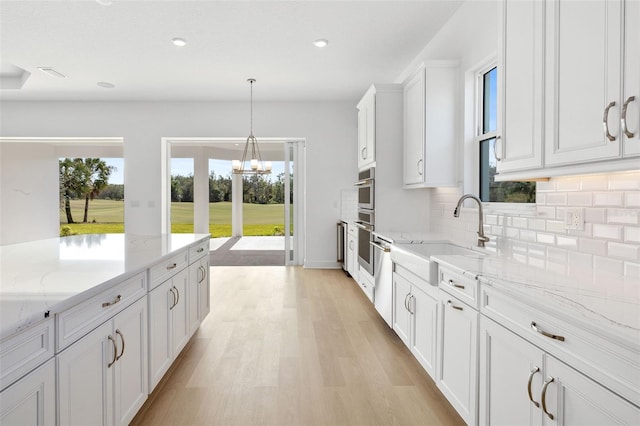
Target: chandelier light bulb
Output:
[(254, 164), (267, 166)]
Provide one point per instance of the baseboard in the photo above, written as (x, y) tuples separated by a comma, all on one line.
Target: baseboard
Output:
[(327, 264)]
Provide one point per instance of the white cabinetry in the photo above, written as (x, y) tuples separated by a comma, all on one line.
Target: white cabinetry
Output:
[(352, 250), (521, 70), (32, 400), (568, 69), (521, 384), (199, 287), (415, 309), (168, 324), (102, 378), (430, 99), (367, 130)]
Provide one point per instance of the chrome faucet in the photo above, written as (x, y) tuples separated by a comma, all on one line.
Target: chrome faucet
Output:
[(456, 213)]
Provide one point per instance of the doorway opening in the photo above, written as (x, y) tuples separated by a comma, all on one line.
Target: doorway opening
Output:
[(253, 219)]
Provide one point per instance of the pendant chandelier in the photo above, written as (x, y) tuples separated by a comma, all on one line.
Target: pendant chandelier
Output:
[(256, 165)]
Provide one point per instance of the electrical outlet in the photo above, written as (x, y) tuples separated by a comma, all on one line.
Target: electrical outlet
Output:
[(574, 219)]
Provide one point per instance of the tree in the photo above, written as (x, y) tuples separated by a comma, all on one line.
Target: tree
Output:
[(97, 174), (72, 180)]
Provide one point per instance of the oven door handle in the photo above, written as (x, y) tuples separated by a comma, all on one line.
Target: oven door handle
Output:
[(363, 182), (385, 249), (364, 226)]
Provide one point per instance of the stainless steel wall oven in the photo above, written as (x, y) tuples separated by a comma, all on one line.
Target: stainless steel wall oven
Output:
[(366, 223), (366, 189)]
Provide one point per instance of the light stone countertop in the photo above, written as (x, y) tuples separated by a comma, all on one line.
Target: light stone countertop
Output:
[(54, 274), (594, 299)]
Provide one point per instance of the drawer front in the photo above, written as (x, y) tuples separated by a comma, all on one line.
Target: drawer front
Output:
[(167, 268), (600, 358), (198, 251), (466, 289), (77, 321), (23, 352)]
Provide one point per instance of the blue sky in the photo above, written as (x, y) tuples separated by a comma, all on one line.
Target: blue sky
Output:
[(184, 167)]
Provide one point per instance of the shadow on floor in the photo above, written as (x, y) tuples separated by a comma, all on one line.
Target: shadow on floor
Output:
[(224, 256)]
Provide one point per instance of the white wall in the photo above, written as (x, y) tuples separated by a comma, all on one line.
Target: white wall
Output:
[(28, 187), (330, 129)]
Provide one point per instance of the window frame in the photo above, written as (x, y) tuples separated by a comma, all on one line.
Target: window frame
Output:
[(478, 136)]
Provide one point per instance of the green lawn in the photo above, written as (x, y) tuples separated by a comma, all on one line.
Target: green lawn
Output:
[(259, 219)]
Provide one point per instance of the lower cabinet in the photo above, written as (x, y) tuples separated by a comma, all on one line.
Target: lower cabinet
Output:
[(521, 384), (415, 319), (458, 355), (32, 399), (352, 251), (169, 328), (102, 378), (199, 293)]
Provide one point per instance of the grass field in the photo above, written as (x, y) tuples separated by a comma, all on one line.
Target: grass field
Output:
[(107, 216)]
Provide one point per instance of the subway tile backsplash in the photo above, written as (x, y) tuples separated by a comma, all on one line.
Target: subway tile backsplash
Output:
[(610, 240)]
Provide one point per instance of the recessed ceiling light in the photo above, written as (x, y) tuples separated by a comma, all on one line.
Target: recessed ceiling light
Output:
[(321, 42), (106, 84), (180, 42), (50, 71), (104, 2)]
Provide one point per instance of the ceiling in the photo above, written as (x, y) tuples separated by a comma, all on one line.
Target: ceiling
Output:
[(128, 43)]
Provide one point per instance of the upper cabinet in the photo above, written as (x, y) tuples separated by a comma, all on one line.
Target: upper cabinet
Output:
[(367, 130), (520, 69), (430, 112), (570, 87)]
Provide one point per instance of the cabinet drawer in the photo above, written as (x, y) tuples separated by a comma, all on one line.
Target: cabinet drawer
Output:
[(167, 268), (597, 356), (466, 289), (84, 317), (23, 352), (199, 250)]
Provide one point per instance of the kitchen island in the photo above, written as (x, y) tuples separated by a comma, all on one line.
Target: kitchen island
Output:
[(67, 306)]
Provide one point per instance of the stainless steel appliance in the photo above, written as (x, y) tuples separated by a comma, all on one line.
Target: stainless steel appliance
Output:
[(366, 189), (383, 275), (342, 244), (365, 223)]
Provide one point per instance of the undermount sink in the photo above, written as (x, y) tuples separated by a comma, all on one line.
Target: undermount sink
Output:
[(417, 257)]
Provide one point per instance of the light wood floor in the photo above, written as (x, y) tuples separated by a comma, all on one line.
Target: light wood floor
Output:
[(294, 346)]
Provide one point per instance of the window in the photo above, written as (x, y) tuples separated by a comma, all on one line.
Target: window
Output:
[(486, 133)]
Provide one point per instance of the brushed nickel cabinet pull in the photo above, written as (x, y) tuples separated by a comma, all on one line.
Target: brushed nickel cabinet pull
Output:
[(531, 374), (406, 306), (544, 396), (115, 352), (450, 303), (122, 339), (178, 293), (535, 328), (200, 250), (456, 285), (605, 121), (419, 164), (113, 302), (172, 266), (174, 299), (623, 118)]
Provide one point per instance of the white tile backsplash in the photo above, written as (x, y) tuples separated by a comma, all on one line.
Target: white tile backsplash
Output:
[(609, 242)]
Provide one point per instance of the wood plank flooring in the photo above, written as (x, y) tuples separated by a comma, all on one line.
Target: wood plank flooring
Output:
[(294, 346)]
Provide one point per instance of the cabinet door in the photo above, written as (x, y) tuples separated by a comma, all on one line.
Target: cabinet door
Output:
[(85, 382), (353, 256), (180, 313), (631, 138), (204, 290), (424, 330), (195, 275), (401, 315), (583, 77), (509, 367), (521, 86), (362, 136), (573, 399), (130, 370), (457, 355), (414, 127), (32, 399), (160, 300), (367, 130)]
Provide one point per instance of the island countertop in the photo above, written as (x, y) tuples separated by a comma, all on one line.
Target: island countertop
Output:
[(45, 277)]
